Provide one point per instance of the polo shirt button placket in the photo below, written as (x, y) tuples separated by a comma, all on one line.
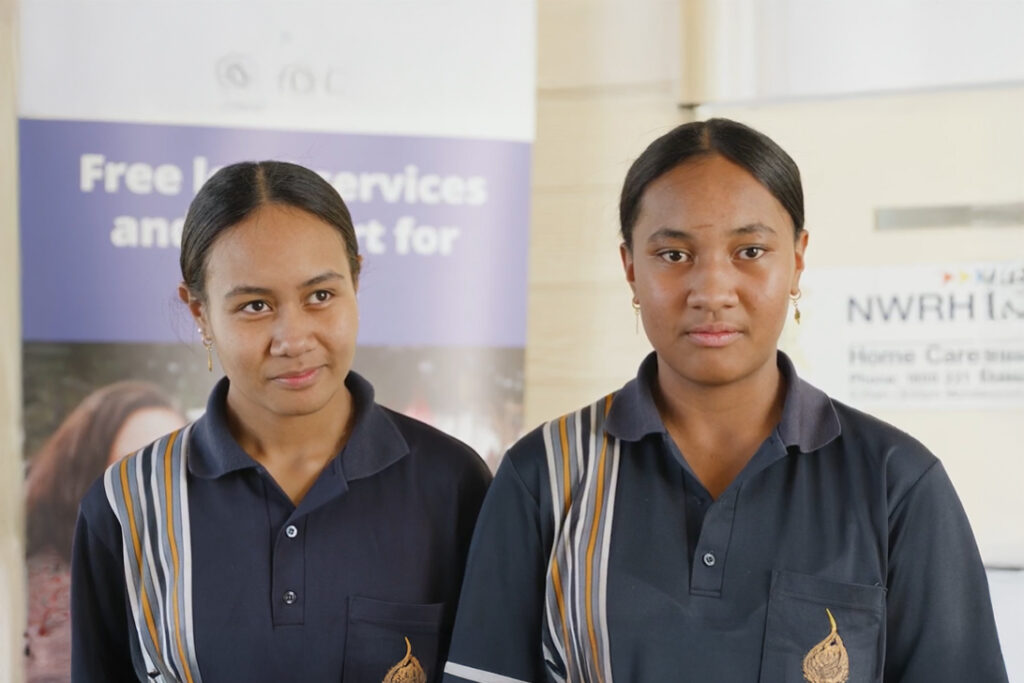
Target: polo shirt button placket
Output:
[(288, 573)]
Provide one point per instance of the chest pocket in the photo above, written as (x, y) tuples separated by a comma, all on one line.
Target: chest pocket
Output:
[(823, 631), (392, 642)]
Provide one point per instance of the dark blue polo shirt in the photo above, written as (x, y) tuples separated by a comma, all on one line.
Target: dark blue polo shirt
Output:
[(324, 591), (836, 510)]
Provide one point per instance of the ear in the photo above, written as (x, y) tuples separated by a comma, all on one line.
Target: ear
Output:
[(627, 265), (195, 306), (800, 248)]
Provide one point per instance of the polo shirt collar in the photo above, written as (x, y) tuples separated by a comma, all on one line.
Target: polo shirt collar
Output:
[(809, 419), (633, 414), (214, 451), (808, 422), (374, 444)]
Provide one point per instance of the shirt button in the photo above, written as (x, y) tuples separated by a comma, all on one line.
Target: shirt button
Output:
[(709, 559), (289, 597), (290, 531)]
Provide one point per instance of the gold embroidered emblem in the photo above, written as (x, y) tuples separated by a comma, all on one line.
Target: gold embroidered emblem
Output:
[(406, 671), (827, 662)]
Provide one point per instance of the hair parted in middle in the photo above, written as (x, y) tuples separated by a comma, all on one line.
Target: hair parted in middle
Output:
[(236, 191), (754, 151)]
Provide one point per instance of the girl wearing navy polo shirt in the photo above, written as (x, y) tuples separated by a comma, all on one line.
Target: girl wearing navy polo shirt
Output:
[(717, 518), (298, 531)]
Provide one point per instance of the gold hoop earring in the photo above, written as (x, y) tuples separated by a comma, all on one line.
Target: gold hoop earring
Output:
[(796, 306), (636, 311)]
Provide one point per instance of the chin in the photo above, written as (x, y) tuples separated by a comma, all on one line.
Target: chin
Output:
[(296, 408), (713, 379), (295, 404), (711, 372)]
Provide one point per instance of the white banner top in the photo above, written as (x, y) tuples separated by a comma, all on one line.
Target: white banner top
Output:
[(446, 68)]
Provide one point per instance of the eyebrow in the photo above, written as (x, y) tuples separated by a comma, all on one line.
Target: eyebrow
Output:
[(676, 234), (251, 290), (754, 228)]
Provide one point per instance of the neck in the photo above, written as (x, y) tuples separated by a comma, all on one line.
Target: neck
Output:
[(718, 428), (750, 400), (291, 439)]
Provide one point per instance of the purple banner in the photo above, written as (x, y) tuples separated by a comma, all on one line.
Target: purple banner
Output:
[(443, 227)]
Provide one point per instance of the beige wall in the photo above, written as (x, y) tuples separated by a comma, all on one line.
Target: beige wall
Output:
[(607, 85), (12, 581)]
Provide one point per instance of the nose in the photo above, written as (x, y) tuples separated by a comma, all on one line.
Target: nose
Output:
[(712, 285), (292, 334)]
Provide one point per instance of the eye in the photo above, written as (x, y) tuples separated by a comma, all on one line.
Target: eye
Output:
[(751, 253), (674, 256), (258, 306), (320, 296)]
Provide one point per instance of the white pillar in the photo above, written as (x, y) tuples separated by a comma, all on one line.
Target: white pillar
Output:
[(718, 50), (12, 553)]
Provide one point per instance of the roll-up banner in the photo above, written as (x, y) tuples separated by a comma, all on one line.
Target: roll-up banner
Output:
[(419, 114)]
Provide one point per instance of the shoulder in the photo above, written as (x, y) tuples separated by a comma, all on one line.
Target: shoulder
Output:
[(880, 438), (95, 504), (446, 455), (526, 461), (903, 459), (532, 457), (96, 514), (125, 475), (383, 430)]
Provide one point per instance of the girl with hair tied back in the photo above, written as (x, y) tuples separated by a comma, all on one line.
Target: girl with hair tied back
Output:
[(297, 531), (718, 518)]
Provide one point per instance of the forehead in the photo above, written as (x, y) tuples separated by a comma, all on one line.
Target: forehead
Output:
[(276, 243), (709, 191)]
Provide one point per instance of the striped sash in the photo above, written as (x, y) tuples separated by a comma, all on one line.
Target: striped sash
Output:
[(148, 493), (583, 465)]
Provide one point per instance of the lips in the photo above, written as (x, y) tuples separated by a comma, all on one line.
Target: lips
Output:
[(297, 379), (713, 336)]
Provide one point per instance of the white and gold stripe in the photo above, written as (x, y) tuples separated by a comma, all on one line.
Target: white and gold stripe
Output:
[(583, 464), (148, 493)]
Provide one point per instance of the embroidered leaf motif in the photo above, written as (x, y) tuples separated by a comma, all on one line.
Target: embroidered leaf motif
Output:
[(406, 671), (827, 662)]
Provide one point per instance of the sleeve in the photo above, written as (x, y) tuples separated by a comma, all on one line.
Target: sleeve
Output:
[(940, 625), (470, 496), (100, 636), (497, 634)]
